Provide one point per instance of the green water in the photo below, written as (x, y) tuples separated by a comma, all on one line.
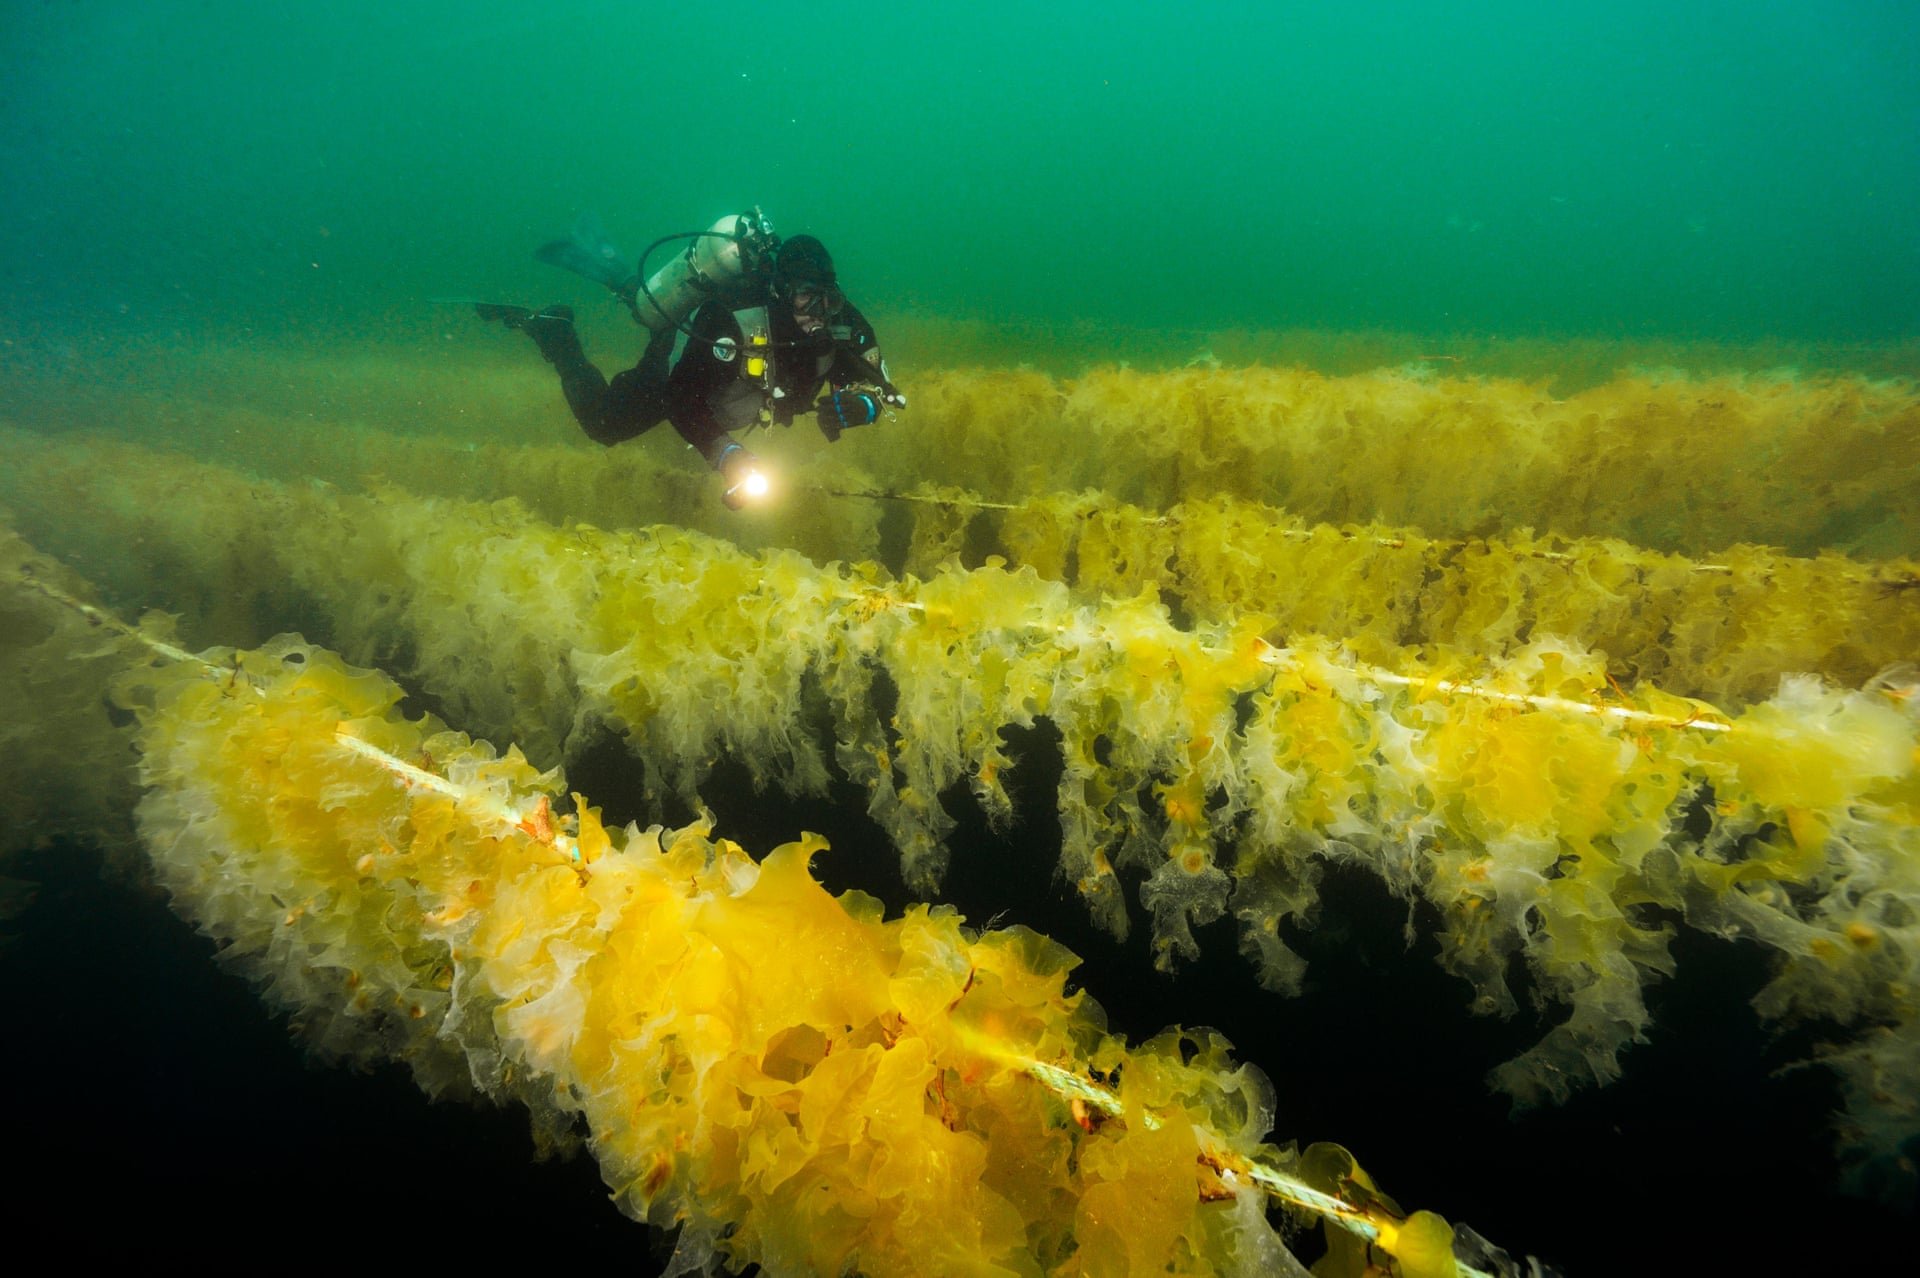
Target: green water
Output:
[(1719, 171), (324, 175)]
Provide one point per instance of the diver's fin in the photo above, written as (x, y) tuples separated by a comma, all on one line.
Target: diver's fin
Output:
[(590, 253), (511, 316), (550, 327)]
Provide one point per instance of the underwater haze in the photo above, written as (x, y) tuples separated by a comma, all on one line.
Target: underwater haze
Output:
[(1594, 322), (1708, 170)]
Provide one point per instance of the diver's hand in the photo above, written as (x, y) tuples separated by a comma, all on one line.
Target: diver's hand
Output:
[(892, 397), (845, 409), (746, 479)]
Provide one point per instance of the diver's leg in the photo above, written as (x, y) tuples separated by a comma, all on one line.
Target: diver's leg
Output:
[(585, 388), (636, 400)]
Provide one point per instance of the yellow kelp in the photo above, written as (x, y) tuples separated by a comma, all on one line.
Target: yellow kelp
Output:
[(1724, 629), (70, 764), (792, 1080), (1669, 462), (1542, 811)]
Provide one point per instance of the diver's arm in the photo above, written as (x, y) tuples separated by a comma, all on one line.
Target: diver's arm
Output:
[(709, 396), (856, 382), (857, 360), (712, 399)]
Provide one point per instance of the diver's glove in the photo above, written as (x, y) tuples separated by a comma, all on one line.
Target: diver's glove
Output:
[(845, 409)]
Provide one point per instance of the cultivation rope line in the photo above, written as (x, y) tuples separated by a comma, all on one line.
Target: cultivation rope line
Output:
[(1359, 1219), (1270, 654), (1507, 787), (101, 617), (1368, 1222), (1654, 619), (1282, 658), (1302, 534)]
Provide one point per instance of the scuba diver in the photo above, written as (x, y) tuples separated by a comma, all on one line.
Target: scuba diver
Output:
[(747, 330)]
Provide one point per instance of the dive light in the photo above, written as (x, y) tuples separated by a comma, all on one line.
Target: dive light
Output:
[(748, 482)]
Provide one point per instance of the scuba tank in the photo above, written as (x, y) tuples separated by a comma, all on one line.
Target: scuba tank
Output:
[(715, 261)]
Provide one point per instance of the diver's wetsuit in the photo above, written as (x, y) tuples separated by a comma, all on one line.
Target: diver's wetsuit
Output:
[(703, 394)]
